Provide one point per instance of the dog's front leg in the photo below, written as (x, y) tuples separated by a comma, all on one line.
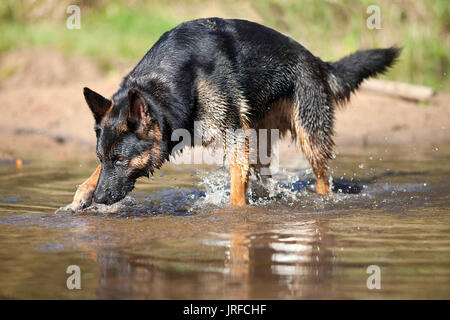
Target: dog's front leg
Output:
[(85, 192), (239, 172), (238, 185)]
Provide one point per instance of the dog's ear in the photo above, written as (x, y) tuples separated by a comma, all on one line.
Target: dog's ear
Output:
[(99, 105), (140, 119)]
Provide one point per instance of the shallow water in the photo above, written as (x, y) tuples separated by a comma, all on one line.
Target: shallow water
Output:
[(175, 237)]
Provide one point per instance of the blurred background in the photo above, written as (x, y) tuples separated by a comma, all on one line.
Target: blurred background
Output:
[(44, 64), (113, 30)]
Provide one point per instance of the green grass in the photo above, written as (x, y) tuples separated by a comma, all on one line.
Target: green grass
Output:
[(330, 29), (106, 33)]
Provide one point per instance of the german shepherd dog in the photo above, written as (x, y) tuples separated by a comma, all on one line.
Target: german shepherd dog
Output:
[(231, 74)]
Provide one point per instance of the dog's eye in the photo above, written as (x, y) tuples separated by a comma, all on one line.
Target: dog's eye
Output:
[(120, 161)]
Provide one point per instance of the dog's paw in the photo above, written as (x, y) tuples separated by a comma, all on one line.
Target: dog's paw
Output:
[(82, 198), (76, 206)]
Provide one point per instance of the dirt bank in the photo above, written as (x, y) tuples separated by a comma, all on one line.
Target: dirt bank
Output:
[(43, 111)]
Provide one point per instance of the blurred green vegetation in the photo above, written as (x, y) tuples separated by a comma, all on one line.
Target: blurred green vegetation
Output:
[(112, 30)]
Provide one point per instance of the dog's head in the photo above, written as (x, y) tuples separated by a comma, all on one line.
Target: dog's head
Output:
[(129, 141)]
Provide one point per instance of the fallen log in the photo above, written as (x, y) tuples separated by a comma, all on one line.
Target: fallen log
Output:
[(399, 89)]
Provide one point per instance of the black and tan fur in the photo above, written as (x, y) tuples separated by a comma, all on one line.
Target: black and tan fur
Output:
[(231, 75)]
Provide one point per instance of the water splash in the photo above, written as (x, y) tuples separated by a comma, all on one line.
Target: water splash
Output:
[(289, 188)]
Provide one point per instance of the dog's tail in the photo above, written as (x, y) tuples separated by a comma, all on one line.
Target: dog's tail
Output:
[(345, 76)]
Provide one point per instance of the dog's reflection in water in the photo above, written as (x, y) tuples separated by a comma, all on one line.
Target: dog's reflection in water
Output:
[(274, 264)]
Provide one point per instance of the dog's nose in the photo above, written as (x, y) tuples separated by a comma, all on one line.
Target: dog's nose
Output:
[(101, 197)]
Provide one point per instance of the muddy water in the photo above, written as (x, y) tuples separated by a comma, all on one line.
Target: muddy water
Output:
[(175, 237)]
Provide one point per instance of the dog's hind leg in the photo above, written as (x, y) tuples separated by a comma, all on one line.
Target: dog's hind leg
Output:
[(320, 169), (317, 155), (83, 196), (313, 130)]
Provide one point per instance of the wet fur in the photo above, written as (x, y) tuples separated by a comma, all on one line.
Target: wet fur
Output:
[(232, 74)]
